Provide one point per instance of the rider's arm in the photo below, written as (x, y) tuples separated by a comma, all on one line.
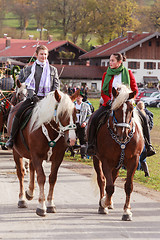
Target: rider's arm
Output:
[(133, 83), (105, 97)]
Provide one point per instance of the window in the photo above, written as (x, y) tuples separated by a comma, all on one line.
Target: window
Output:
[(149, 65), (134, 65), (157, 44), (150, 44), (159, 65)]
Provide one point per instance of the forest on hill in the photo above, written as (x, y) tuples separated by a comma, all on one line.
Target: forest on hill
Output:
[(84, 22)]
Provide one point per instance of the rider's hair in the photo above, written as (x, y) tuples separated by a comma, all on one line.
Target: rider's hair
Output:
[(41, 47), (119, 57)]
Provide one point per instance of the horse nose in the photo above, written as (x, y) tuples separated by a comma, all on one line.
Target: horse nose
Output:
[(71, 142)]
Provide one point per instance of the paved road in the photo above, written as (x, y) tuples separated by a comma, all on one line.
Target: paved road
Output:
[(76, 217)]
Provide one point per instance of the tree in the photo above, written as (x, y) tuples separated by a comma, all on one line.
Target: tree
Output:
[(23, 9)]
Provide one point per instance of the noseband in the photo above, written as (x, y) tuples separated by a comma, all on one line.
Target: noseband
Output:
[(116, 124)]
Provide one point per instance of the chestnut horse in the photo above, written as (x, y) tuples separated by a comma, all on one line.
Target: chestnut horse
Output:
[(119, 142), (46, 136), (8, 99)]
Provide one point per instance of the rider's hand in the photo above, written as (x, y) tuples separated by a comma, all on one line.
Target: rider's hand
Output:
[(83, 124), (109, 104), (35, 99)]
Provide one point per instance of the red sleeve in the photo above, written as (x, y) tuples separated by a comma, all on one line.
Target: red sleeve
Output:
[(133, 83), (104, 96)]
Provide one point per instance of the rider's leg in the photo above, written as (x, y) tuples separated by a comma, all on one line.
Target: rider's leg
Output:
[(16, 122), (91, 151), (146, 133), (82, 140)]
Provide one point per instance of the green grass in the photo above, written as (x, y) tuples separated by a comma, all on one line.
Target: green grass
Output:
[(153, 162)]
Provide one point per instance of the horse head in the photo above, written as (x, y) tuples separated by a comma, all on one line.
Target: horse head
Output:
[(122, 112), (21, 92), (66, 116)]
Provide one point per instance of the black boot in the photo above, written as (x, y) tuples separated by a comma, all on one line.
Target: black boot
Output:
[(145, 169), (91, 150), (15, 127), (149, 148), (83, 151)]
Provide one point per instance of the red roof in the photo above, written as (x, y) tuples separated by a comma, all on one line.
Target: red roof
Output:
[(26, 48), (121, 44), (80, 71)]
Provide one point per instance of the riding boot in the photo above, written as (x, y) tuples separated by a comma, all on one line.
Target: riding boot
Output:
[(83, 151), (145, 169), (91, 150), (14, 130), (149, 147)]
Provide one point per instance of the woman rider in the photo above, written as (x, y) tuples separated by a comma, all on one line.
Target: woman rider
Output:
[(116, 74), (40, 78)]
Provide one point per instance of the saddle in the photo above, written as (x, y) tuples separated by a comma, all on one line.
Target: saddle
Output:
[(102, 119)]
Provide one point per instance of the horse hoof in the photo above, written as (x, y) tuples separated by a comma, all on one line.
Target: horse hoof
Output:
[(51, 209), (28, 196), (102, 210), (22, 204), (127, 217), (40, 212), (110, 206)]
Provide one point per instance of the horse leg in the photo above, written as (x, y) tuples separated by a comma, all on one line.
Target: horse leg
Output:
[(107, 200), (20, 174), (114, 177), (101, 183), (51, 208), (30, 191), (41, 178), (127, 215)]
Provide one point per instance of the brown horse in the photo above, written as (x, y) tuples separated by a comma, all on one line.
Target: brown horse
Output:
[(45, 137), (119, 142), (8, 99)]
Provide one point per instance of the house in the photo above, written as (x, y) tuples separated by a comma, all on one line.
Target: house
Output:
[(142, 52), (78, 75), (64, 55), (60, 52)]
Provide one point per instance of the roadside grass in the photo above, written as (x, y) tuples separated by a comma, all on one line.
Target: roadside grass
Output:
[(153, 162)]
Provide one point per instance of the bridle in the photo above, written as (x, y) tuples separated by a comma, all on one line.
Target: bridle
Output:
[(122, 143), (61, 132)]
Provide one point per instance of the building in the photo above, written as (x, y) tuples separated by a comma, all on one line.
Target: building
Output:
[(60, 52), (142, 51), (82, 75)]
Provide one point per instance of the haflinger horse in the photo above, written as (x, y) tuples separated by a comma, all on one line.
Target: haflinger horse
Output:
[(119, 142), (46, 136)]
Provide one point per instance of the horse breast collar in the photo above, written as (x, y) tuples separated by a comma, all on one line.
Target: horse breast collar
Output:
[(122, 144)]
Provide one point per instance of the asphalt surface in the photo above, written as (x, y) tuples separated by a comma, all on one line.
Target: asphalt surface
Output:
[(77, 206)]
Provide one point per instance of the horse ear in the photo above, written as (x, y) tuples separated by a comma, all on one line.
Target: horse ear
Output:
[(132, 94), (18, 83), (75, 95), (114, 92), (57, 96)]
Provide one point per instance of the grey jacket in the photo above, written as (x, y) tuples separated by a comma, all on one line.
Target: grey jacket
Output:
[(54, 82), (85, 113)]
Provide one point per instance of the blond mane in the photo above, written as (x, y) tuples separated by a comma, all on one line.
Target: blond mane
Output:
[(44, 110)]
